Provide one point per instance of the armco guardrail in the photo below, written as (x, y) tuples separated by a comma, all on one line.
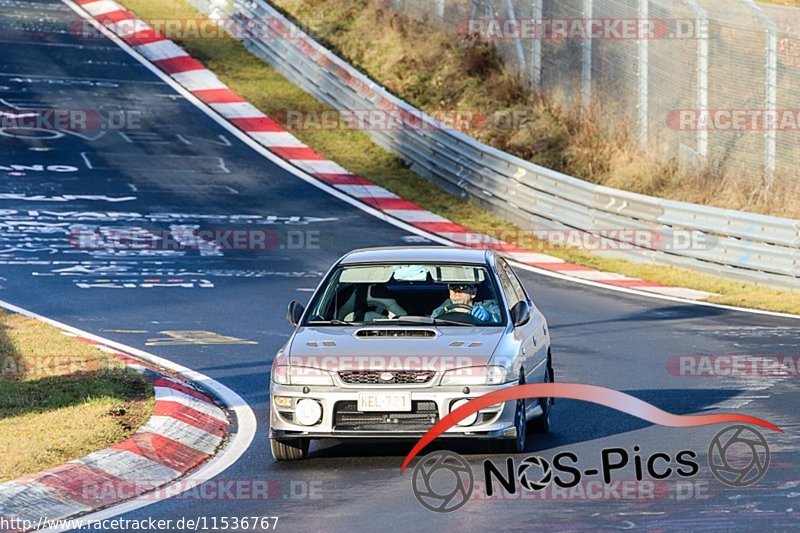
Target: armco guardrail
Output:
[(738, 246)]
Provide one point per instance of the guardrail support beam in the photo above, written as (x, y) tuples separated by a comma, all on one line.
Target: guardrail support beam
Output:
[(536, 44), (586, 59), (771, 94), (643, 78)]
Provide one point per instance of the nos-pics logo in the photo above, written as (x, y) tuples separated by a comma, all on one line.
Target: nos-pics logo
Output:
[(443, 481)]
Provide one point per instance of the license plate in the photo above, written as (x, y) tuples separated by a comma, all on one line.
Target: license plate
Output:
[(384, 401)]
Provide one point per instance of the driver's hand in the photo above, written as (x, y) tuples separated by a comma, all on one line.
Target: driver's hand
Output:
[(480, 313)]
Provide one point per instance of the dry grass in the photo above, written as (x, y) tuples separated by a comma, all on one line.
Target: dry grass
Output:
[(271, 93), (61, 398)]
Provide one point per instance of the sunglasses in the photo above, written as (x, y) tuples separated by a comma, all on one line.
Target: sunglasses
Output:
[(461, 287)]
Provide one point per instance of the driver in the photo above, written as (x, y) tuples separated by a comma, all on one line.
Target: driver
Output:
[(463, 294)]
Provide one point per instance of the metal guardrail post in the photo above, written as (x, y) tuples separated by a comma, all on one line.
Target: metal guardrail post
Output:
[(517, 42), (771, 95), (643, 74), (702, 73), (536, 44), (586, 59)]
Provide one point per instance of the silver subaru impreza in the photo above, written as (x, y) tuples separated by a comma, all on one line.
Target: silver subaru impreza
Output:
[(394, 339)]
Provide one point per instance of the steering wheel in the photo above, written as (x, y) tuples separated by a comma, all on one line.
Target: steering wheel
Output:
[(450, 313), (452, 308)]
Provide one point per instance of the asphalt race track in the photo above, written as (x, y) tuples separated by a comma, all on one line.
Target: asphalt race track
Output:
[(170, 167)]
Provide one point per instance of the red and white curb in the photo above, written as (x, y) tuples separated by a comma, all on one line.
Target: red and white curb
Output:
[(188, 436), (204, 85)]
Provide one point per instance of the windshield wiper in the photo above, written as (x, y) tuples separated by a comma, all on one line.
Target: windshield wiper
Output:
[(334, 322), (411, 319)]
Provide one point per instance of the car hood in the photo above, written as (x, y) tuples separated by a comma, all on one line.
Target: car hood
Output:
[(409, 348)]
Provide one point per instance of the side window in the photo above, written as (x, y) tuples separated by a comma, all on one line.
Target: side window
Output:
[(508, 287), (515, 283)]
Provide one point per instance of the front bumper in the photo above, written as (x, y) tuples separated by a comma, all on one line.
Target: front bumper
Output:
[(496, 422)]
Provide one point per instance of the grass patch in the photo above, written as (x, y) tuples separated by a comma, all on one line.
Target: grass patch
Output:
[(266, 89), (61, 398)]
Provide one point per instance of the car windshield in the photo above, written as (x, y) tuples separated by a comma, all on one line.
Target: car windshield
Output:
[(442, 294)]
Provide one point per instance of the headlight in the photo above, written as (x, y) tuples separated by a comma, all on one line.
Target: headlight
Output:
[(300, 375), (476, 375)]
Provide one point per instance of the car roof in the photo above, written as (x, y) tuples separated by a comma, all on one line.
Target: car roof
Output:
[(417, 254)]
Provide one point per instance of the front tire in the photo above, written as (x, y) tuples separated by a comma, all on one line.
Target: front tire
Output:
[(289, 450), (518, 444), (541, 424)]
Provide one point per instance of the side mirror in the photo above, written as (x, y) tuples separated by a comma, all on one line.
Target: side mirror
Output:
[(520, 313), (294, 312)]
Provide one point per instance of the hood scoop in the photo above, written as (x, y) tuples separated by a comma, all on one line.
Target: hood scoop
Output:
[(402, 333)]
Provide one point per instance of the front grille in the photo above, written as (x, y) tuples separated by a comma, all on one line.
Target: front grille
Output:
[(422, 416), (399, 377)]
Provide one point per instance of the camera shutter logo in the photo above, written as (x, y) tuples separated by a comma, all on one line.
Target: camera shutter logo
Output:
[(738, 456), (525, 467), (443, 481)]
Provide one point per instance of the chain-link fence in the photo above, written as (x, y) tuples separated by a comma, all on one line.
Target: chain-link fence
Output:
[(715, 82)]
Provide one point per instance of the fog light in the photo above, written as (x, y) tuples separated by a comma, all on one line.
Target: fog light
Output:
[(308, 412), (467, 421), (282, 401)]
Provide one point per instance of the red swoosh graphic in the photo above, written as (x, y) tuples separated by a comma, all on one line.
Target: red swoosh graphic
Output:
[(587, 393)]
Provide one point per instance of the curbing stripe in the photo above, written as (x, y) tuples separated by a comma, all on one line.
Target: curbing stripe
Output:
[(314, 166), (174, 65), (366, 191), (78, 482), (195, 80), (115, 16), (172, 384), (186, 434), (237, 110), (30, 499), (415, 216), (158, 50), (101, 7), (300, 152), (249, 125), (162, 450), (273, 139), (167, 394), (190, 416), (130, 466), (219, 96)]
